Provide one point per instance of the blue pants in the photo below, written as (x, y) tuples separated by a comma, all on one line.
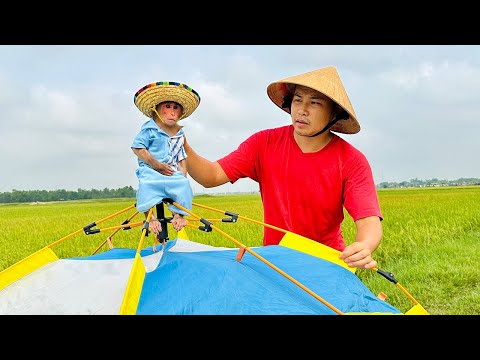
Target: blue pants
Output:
[(153, 187)]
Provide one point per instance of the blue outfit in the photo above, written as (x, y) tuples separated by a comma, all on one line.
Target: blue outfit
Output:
[(154, 186)]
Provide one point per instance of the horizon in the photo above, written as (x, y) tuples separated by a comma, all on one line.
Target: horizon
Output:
[(243, 192)]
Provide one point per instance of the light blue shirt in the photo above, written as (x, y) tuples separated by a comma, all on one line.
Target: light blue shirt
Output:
[(166, 149)]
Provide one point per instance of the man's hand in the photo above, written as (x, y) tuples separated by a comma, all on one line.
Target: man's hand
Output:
[(358, 255)]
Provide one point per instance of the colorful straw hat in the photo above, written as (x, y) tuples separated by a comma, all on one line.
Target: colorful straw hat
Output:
[(325, 80), (153, 94)]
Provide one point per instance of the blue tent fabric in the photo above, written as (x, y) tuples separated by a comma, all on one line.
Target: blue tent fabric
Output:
[(116, 253), (214, 282), (188, 278)]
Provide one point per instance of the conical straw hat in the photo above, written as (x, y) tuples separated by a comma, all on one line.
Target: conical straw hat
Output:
[(325, 80), (153, 94)]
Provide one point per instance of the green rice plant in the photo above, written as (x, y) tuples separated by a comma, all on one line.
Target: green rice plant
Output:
[(431, 238), (431, 242)]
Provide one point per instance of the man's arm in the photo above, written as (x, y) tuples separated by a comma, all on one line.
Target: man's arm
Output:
[(369, 235), (207, 173)]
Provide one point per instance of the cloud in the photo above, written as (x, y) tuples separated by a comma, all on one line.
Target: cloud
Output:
[(67, 116)]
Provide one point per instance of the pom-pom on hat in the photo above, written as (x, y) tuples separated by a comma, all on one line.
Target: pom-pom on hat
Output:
[(153, 94), (325, 80)]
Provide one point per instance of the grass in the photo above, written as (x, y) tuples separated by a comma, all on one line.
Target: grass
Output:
[(430, 244)]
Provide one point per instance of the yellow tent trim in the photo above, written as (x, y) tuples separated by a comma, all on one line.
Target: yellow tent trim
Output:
[(26, 266), (134, 287), (182, 234), (309, 246), (417, 310)]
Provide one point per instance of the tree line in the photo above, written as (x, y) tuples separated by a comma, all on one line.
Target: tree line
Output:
[(414, 183), (27, 196)]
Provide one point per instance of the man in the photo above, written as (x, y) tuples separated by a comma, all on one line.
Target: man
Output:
[(306, 173)]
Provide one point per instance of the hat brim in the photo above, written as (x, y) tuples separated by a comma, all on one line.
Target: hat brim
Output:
[(325, 81), (153, 94)]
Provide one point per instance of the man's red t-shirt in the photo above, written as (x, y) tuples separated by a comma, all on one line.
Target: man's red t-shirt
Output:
[(305, 193)]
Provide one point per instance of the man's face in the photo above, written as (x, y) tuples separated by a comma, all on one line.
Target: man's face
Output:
[(310, 110)]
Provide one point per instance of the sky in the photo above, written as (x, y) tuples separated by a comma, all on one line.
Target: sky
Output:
[(67, 116)]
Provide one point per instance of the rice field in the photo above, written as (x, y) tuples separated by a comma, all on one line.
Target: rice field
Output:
[(431, 238)]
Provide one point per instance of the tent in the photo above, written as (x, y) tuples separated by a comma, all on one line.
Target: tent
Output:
[(184, 277)]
